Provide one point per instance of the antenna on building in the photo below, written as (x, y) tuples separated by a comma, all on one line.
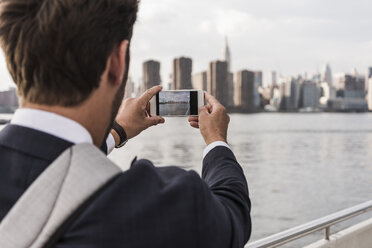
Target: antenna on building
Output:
[(227, 54)]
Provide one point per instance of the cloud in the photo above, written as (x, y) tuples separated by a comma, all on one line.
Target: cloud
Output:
[(291, 36), (233, 22)]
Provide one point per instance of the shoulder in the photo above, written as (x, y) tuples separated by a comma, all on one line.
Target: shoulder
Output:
[(144, 175), (145, 198), (146, 186)]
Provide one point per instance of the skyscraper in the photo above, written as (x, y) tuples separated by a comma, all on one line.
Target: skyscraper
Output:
[(294, 97), (245, 90), (230, 76), (258, 78), (230, 89), (351, 86), (310, 95), (258, 82), (227, 55), (9, 100), (200, 81), (217, 83), (130, 89), (151, 74), (327, 75), (274, 78), (370, 94), (182, 70), (368, 76)]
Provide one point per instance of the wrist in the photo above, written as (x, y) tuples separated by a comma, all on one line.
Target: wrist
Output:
[(215, 139), (126, 128), (116, 137), (120, 135)]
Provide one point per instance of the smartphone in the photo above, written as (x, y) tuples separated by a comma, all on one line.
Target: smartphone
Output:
[(174, 103)]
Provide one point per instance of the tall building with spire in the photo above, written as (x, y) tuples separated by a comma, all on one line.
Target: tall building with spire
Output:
[(227, 55), (327, 75), (230, 75)]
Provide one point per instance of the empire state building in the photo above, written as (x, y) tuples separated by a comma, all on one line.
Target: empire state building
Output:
[(227, 55)]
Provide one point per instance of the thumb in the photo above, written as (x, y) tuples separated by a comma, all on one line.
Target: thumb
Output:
[(155, 120)]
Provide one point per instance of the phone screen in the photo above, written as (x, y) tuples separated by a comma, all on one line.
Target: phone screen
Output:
[(177, 103)]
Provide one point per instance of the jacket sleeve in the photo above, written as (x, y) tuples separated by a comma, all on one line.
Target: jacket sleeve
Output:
[(222, 201)]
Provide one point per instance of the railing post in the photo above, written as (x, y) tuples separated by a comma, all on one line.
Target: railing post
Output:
[(327, 233)]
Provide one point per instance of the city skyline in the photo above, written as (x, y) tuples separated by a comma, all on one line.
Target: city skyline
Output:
[(290, 37)]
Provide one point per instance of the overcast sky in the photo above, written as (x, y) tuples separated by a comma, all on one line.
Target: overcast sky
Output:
[(289, 36)]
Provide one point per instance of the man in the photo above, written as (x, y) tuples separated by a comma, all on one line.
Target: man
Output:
[(70, 61)]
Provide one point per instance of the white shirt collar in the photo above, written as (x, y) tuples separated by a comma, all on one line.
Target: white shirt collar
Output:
[(52, 124)]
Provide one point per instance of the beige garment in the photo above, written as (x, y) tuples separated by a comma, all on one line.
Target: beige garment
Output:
[(59, 191)]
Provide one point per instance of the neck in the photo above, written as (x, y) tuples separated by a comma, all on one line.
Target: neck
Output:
[(85, 115)]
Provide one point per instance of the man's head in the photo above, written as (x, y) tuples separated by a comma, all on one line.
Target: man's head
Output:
[(70, 56), (57, 50)]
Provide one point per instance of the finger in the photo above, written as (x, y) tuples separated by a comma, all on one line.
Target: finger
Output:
[(150, 93), (211, 100), (155, 120), (148, 112), (209, 108), (193, 118), (194, 124), (203, 111)]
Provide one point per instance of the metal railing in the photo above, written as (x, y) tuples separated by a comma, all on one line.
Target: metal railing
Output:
[(311, 227)]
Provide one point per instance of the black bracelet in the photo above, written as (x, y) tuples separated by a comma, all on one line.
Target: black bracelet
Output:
[(122, 134)]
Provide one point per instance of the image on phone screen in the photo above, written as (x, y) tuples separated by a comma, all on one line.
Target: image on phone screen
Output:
[(177, 103)]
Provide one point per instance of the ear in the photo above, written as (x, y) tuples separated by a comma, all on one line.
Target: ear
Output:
[(117, 62)]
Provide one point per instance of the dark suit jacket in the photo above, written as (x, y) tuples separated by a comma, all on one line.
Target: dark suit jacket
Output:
[(143, 207)]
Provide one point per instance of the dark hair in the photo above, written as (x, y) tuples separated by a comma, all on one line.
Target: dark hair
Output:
[(56, 50)]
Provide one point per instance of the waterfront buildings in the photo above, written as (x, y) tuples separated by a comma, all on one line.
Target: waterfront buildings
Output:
[(217, 81), (199, 81), (258, 78), (129, 88), (227, 55), (292, 94), (350, 86), (151, 74), (327, 94), (274, 79), (132, 89), (230, 75), (182, 71), (368, 77), (370, 94), (8, 100), (310, 95), (291, 90), (245, 90), (351, 94), (230, 89), (327, 75)]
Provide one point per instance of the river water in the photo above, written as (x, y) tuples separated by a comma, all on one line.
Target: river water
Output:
[(299, 167)]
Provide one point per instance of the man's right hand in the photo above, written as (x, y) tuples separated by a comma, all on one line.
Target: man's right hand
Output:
[(134, 117), (213, 121)]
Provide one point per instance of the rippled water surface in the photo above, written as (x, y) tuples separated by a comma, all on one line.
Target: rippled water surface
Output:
[(299, 167)]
